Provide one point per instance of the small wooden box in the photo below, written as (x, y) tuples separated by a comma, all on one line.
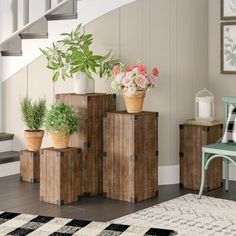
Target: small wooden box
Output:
[(60, 175), (192, 138), (29, 166), (130, 162), (90, 135)]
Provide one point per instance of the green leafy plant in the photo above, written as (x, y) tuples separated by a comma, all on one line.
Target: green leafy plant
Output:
[(33, 113), (73, 54), (62, 119)]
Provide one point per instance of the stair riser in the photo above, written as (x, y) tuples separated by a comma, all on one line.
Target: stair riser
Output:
[(6, 146), (12, 168)]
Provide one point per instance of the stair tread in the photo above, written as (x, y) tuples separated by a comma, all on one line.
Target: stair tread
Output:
[(5, 136), (10, 156), (61, 16), (11, 53), (33, 35)]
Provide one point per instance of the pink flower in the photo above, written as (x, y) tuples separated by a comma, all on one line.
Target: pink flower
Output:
[(128, 69), (155, 71), (142, 69), (152, 80), (116, 70), (126, 81), (142, 81)]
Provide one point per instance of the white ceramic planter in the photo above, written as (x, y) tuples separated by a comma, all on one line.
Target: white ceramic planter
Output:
[(82, 84)]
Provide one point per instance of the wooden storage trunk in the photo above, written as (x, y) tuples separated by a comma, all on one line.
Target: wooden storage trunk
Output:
[(90, 135), (192, 138), (130, 162), (29, 166), (60, 175)]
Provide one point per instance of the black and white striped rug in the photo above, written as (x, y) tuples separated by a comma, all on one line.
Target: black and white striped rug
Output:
[(32, 225)]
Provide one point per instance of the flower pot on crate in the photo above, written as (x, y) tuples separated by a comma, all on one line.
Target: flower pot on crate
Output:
[(82, 84), (134, 102), (34, 140), (59, 141)]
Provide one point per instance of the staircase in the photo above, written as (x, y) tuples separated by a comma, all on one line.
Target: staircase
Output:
[(9, 160), (22, 47)]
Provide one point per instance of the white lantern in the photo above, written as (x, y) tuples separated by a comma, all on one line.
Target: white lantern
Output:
[(204, 106)]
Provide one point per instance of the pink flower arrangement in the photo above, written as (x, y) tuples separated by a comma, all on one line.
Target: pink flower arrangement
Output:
[(134, 78)]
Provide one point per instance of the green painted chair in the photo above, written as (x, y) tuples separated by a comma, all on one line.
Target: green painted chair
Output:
[(219, 150)]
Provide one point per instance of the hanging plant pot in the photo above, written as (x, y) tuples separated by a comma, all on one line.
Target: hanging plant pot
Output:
[(59, 141), (82, 84), (34, 140), (134, 102)]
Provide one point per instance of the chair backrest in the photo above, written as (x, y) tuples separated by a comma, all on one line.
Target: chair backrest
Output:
[(228, 101)]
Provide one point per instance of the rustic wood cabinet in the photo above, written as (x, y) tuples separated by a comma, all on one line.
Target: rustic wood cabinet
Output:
[(130, 163), (60, 175), (192, 138), (90, 135), (29, 166)]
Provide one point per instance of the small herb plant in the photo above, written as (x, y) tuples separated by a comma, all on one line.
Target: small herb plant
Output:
[(62, 119), (75, 55), (33, 113)]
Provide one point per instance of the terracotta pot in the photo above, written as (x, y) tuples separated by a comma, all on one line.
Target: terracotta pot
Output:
[(59, 141), (134, 102), (34, 140)]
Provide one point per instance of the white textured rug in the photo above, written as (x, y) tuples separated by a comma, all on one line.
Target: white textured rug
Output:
[(189, 216)]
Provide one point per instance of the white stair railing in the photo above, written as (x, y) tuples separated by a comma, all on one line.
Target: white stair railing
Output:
[(17, 15)]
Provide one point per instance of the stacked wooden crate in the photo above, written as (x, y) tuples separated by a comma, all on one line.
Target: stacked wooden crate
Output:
[(130, 156), (90, 135), (29, 166), (192, 138), (60, 175)]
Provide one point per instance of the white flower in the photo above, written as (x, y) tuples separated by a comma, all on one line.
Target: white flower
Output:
[(135, 70), (119, 77), (130, 74)]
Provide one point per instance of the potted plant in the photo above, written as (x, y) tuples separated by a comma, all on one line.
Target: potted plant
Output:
[(61, 121), (33, 116), (134, 81), (72, 57)]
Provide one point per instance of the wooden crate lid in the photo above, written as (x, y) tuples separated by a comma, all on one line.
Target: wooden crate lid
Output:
[(124, 112), (202, 123), (86, 95)]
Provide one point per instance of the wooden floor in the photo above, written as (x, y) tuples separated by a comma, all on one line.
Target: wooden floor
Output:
[(21, 197)]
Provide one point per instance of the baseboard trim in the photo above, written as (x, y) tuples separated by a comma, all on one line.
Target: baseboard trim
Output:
[(168, 175)]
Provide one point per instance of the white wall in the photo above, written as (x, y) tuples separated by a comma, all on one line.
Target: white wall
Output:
[(8, 23), (170, 34), (221, 85)]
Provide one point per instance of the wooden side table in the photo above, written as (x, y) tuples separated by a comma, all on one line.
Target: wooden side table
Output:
[(29, 166), (90, 135), (192, 138), (60, 175), (130, 164)]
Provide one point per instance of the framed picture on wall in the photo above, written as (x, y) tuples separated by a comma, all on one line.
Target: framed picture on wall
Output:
[(228, 48), (228, 9)]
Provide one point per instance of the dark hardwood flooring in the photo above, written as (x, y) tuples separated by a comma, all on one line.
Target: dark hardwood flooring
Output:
[(16, 196)]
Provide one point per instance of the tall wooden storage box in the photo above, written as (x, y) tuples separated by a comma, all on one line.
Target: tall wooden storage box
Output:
[(90, 135), (60, 175), (130, 162), (29, 166), (192, 138)]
